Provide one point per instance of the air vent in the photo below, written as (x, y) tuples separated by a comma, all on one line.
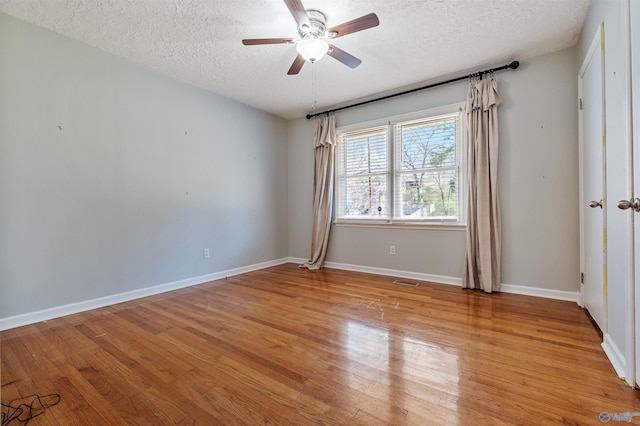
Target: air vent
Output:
[(407, 283)]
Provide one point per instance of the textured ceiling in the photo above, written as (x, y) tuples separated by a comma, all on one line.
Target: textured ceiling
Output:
[(199, 41)]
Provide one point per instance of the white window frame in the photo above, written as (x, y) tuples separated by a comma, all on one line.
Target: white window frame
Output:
[(392, 153)]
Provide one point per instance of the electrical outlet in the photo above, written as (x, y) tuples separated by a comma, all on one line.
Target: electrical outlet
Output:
[(392, 250), (205, 253)]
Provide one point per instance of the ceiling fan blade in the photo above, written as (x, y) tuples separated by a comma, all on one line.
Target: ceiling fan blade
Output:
[(297, 10), (344, 57), (256, 41), (358, 24), (297, 65)]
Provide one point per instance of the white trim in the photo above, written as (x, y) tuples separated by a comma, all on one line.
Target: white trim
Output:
[(571, 296), (432, 226), (633, 10), (547, 293), (581, 195), (73, 308), (298, 260), (615, 356), (630, 354), (440, 279)]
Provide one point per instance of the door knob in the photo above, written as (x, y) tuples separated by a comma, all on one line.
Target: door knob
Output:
[(634, 204), (595, 204)]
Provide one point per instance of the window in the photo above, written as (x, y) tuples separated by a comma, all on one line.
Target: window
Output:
[(406, 170)]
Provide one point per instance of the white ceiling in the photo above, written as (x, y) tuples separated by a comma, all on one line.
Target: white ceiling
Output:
[(199, 41)]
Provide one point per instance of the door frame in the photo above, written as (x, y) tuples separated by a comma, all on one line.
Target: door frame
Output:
[(631, 25)]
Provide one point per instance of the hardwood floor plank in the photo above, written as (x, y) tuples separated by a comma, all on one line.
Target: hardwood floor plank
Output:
[(285, 345)]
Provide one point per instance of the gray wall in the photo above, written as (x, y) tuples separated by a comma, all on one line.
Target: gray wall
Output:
[(114, 178), (538, 184)]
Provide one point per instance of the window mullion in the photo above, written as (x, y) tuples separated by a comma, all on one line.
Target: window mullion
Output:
[(390, 171)]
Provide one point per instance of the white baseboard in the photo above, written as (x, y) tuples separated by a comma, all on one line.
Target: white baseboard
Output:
[(581, 296), (615, 356), (548, 293), (395, 273), (572, 296), (73, 308), (297, 260)]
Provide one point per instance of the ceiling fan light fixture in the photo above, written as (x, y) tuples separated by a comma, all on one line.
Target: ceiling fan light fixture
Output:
[(312, 49)]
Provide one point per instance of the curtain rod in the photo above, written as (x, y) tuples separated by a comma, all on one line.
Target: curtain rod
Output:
[(513, 65)]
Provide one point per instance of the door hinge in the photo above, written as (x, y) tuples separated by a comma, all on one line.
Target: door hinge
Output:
[(581, 277), (580, 103)]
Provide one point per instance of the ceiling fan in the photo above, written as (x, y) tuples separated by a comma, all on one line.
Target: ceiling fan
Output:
[(312, 45)]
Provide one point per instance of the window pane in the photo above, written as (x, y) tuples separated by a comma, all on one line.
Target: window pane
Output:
[(365, 153), (364, 197), (428, 195), (428, 144)]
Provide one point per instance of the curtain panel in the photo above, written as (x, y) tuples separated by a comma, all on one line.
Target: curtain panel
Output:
[(324, 140), (482, 269)]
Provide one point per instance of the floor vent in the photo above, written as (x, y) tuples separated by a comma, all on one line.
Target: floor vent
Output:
[(409, 283)]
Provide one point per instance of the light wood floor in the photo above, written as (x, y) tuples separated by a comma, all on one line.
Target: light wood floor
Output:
[(287, 346)]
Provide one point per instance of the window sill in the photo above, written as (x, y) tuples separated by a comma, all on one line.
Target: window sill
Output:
[(403, 225)]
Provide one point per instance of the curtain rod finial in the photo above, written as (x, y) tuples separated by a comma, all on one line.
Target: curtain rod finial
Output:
[(514, 65)]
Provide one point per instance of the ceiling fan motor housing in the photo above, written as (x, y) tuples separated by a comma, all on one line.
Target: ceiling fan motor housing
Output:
[(317, 25)]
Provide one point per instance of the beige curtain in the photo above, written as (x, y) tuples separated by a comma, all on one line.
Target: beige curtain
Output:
[(484, 229), (324, 139)]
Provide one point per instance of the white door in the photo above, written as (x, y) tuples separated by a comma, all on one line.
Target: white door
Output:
[(593, 256)]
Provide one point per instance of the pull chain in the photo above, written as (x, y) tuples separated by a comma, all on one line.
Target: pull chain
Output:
[(314, 87)]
